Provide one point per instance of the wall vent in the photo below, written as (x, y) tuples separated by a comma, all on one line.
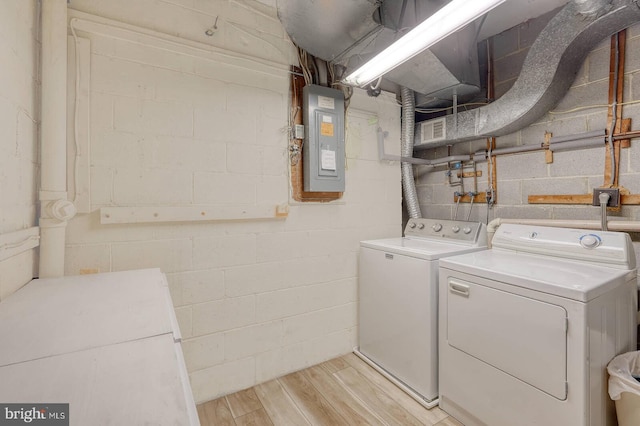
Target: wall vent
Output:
[(433, 130)]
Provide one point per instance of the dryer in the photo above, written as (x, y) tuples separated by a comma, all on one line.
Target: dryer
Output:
[(528, 327), (398, 301)]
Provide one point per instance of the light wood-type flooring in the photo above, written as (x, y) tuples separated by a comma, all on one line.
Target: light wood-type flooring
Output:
[(342, 391)]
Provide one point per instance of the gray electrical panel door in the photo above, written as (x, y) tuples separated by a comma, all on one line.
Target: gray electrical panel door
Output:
[(323, 150)]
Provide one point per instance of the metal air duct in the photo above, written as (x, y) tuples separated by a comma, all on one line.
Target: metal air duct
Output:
[(547, 73), (351, 32)]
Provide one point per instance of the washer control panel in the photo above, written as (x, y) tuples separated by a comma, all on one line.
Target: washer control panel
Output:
[(474, 232)]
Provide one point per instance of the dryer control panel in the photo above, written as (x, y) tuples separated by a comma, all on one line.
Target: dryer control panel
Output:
[(613, 249)]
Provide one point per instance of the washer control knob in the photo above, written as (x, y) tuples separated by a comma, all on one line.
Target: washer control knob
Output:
[(436, 227), (455, 229), (412, 225), (466, 230), (590, 241)]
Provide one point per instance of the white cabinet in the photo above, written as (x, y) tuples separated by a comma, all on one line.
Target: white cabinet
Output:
[(107, 344)]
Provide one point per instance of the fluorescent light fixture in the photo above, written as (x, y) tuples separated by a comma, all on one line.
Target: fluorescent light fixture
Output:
[(449, 19)]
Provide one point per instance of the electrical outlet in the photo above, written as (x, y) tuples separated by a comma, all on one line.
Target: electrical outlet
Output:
[(614, 196)]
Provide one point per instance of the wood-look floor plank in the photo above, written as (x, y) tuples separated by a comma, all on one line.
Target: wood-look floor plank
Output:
[(278, 405), (345, 403), (342, 391), (313, 405), (255, 418), (202, 416), (243, 402), (334, 365), (377, 400), (426, 417), (449, 421), (216, 413)]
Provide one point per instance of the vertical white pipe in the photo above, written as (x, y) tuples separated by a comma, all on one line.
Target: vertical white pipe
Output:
[(54, 96), (55, 210)]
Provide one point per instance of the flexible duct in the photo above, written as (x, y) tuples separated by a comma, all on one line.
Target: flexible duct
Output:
[(408, 125), (591, 7)]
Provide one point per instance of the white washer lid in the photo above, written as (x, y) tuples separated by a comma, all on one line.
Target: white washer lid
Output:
[(421, 248), (580, 281)]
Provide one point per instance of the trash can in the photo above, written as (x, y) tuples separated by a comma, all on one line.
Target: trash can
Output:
[(624, 387)]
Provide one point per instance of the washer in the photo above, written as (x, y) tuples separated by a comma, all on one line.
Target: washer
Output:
[(398, 300), (528, 327)]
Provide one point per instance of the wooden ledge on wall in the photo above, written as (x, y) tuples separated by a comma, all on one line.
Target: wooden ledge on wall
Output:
[(195, 213)]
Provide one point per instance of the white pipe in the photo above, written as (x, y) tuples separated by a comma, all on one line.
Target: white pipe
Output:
[(55, 210), (419, 161), (54, 95), (604, 200), (612, 225)]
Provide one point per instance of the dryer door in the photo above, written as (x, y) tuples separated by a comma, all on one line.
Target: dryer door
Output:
[(523, 337)]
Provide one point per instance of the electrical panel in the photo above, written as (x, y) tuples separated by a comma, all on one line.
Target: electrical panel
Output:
[(323, 150)]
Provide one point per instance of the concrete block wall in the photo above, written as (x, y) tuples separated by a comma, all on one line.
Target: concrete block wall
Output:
[(254, 299), (572, 172), (19, 95)]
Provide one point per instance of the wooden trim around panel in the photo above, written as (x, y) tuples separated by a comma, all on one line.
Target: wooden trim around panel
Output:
[(296, 146)]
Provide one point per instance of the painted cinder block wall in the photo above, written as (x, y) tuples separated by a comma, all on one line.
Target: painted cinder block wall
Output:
[(175, 124), (572, 172), (19, 114), (260, 298)]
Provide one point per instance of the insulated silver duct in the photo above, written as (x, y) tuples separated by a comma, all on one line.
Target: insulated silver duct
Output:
[(591, 7), (408, 124), (547, 73)]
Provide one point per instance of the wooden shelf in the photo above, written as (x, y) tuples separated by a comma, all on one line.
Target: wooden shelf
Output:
[(195, 213)]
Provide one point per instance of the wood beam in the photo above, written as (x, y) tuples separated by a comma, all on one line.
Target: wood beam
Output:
[(586, 199), (616, 91)]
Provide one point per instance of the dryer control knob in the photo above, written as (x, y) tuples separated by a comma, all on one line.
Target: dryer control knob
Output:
[(412, 225), (455, 229), (590, 241), (437, 227), (466, 230), (421, 226)]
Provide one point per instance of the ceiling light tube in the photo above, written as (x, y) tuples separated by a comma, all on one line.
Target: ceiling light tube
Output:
[(447, 20)]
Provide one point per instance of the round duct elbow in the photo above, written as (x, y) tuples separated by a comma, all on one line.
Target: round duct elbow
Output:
[(592, 8)]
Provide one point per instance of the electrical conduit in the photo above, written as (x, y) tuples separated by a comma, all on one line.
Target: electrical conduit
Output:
[(408, 125)]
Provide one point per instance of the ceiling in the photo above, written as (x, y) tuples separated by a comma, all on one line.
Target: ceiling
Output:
[(349, 32)]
